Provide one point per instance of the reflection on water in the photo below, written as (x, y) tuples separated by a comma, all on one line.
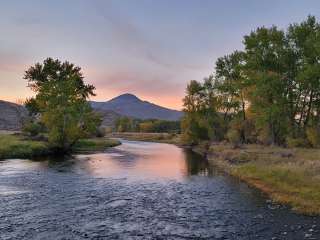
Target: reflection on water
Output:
[(145, 160), (132, 160), (137, 191)]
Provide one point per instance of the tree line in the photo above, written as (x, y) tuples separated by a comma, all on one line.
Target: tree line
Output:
[(267, 93), (127, 124)]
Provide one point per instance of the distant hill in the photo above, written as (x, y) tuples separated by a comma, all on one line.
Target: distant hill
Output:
[(131, 106), (11, 116)]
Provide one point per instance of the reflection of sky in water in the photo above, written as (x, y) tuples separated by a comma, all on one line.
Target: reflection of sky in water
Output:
[(142, 160), (132, 160)]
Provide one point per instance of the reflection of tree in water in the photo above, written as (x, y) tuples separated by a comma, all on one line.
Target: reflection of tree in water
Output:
[(196, 164), (60, 163)]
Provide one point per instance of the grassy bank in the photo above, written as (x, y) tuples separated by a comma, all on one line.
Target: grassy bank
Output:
[(288, 176), (18, 146), (149, 137), (95, 144), (15, 146)]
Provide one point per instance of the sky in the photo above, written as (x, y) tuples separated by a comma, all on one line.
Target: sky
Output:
[(151, 48)]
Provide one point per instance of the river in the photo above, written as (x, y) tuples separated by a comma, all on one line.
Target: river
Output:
[(138, 190)]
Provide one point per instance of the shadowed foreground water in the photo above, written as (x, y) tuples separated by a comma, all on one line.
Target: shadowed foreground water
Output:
[(137, 191)]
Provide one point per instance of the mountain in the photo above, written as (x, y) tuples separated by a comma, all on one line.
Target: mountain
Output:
[(11, 116), (131, 106)]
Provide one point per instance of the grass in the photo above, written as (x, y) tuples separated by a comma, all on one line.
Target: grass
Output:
[(149, 137), (95, 144), (288, 176), (14, 146), (18, 146)]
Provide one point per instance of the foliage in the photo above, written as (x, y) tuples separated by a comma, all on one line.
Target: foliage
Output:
[(100, 132), (313, 136), (268, 93), (171, 138), (297, 142), (233, 136), (126, 124), (94, 144), (12, 146), (201, 120), (32, 128), (61, 102)]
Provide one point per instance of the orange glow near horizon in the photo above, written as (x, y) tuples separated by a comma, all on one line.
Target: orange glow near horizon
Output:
[(20, 95), (165, 93)]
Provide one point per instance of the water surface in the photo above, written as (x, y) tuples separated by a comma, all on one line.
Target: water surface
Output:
[(137, 190)]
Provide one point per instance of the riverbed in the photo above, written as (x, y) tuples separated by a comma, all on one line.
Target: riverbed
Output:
[(138, 190)]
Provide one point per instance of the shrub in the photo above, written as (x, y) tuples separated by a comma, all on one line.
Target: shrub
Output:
[(32, 128), (233, 136), (297, 142), (313, 136), (101, 132)]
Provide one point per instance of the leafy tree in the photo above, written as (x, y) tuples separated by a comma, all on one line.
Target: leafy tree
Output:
[(269, 92), (124, 124), (232, 85), (201, 120), (304, 39), (61, 100), (266, 64)]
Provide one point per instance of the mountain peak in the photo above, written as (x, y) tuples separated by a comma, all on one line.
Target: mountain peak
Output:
[(130, 105), (127, 96)]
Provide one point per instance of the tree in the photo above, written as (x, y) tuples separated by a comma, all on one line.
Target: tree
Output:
[(266, 70), (61, 100), (201, 120), (232, 85), (304, 40), (268, 92)]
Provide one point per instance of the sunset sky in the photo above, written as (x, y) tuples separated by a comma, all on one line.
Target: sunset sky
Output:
[(150, 48)]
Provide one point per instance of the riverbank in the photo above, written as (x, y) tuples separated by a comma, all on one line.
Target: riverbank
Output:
[(19, 146), (288, 176), (148, 137)]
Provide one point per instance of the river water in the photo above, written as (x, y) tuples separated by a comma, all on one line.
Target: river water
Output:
[(137, 190)]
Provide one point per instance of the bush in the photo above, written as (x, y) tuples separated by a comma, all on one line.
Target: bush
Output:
[(313, 136), (297, 142), (233, 136), (264, 136), (101, 132), (32, 128)]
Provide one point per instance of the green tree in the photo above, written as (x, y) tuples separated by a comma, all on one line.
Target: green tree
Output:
[(61, 100), (266, 67), (304, 40), (269, 92), (232, 85), (201, 120)]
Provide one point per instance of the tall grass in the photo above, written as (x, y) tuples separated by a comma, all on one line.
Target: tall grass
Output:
[(14, 146), (289, 176), (94, 144)]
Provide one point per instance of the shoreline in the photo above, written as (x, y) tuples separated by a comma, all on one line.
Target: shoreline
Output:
[(15, 146), (169, 138), (288, 176)]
